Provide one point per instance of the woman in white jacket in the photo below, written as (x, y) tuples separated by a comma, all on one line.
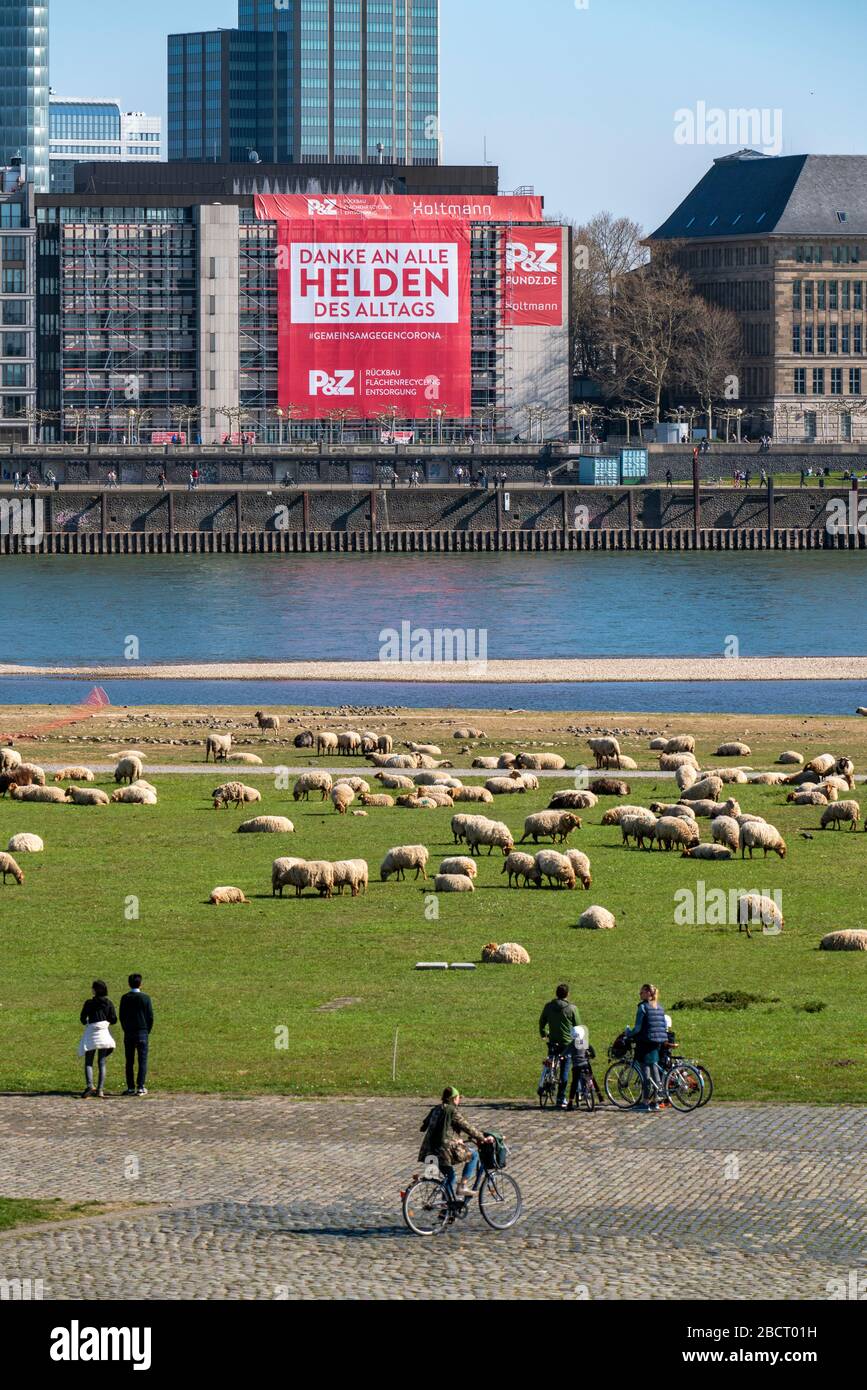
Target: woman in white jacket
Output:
[(97, 1015)]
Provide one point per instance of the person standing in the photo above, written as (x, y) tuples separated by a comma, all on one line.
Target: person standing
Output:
[(137, 1021), (97, 1014), (560, 1017), (649, 1032)]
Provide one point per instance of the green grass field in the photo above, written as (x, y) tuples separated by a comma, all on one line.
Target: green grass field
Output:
[(239, 991)]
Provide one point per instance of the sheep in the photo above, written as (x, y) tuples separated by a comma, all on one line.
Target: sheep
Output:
[(761, 835), (844, 941), (357, 784), (521, 866), (749, 819), (671, 830), (724, 830), (833, 786), (790, 756), (29, 774), (472, 794), (486, 764), (506, 760), (581, 865), (303, 740), (808, 798), (707, 852), (394, 782), (707, 787), (707, 809), (657, 745), (435, 779), (74, 774), (342, 798), (134, 796), (766, 779), (573, 800), (493, 833), (459, 826), (606, 751), (823, 763), (453, 883), (379, 800), (510, 953), (459, 865), (397, 760), (10, 759), (540, 762), (234, 794), (430, 749), (556, 825), (615, 814), (414, 802), (352, 874), (218, 746), (845, 768), (440, 796), (266, 825), (627, 764), (145, 786), (279, 869), (348, 743), (503, 786), (680, 743), (685, 777), (670, 762), (806, 778), (597, 919), (325, 742), (402, 857), (52, 794), (267, 721), (733, 750), (86, 796), (310, 873), (609, 786), (26, 844), (424, 760), (9, 866), (128, 770), (529, 779), (678, 809), (221, 896), (128, 753), (248, 759), (312, 782), (754, 907), (840, 811), (639, 825), (731, 774), (385, 743), (556, 868)]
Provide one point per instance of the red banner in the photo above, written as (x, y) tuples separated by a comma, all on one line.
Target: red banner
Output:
[(533, 276), (374, 318), (332, 206)]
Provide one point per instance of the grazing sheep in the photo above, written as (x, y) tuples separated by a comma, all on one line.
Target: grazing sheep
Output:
[(510, 953), (385, 743), (706, 788), (844, 941), (808, 798), (459, 826), (657, 745), (540, 762), (129, 753), (639, 825), (26, 844), (459, 865), (671, 830), (303, 740), (86, 796), (606, 751), (754, 907), (266, 825), (317, 874), (312, 782), (614, 815), (680, 743), (342, 798), (747, 819), (521, 866), (472, 794), (481, 831), (348, 743), (377, 800), (52, 794), (572, 799), (134, 796), (279, 869), (218, 746), (840, 811), (402, 857), (581, 864), (325, 742), (8, 866), (597, 919), (685, 777), (733, 750), (226, 895), (74, 774), (10, 759), (609, 786), (670, 762), (707, 809), (248, 759), (234, 794), (453, 883), (486, 764), (724, 830), (267, 721), (761, 835), (503, 786), (554, 825), (128, 770), (707, 852), (352, 874), (556, 868), (790, 756)]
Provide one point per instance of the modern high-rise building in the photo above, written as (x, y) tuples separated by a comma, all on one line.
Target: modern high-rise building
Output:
[(88, 128), (24, 87), (327, 81)]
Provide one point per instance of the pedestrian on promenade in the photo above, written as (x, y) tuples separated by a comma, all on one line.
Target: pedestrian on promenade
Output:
[(695, 454), (559, 1017), (668, 479), (162, 480), (16, 480), (649, 1032), (97, 1014), (190, 483), (195, 477), (137, 1021), (27, 481), (442, 1128)]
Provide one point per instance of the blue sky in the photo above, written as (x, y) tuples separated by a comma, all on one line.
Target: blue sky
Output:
[(575, 98)]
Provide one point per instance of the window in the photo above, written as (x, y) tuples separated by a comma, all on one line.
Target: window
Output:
[(856, 294), (832, 294), (808, 339), (14, 374), (818, 381), (847, 294), (856, 332), (796, 294), (15, 311), (800, 382), (14, 345), (14, 250), (808, 294), (854, 381), (796, 337), (820, 337), (820, 294), (13, 281), (833, 345), (846, 335), (836, 381)]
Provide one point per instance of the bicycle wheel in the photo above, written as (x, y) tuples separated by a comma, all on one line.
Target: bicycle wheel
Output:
[(586, 1096), (500, 1200), (624, 1085), (548, 1093), (683, 1087), (707, 1082), (425, 1206)]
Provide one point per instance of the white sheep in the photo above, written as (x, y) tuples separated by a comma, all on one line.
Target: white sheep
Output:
[(677, 809), (503, 786), (670, 762), (486, 764), (553, 825), (86, 796), (521, 866), (312, 782), (32, 774), (606, 751), (477, 794), (755, 907), (134, 796), (707, 852), (615, 814), (638, 825), (74, 774), (733, 750), (506, 760), (9, 867), (26, 844), (573, 799), (279, 869), (459, 864), (731, 774), (556, 868), (671, 830), (790, 756), (266, 825), (342, 797), (767, 779), (725, 831), (430, 749), (854, 940), (809, 798), (459, 826), (685, 777), (248, 759), (680, 743), (227, 895), (840, 811), (128, 770), (326, 742), (358, 784), (581, 864), (402, 857), (540, 762), (453, 883), (436, 779), (760, 835), (597, 918), (317, 874), (352, 874), (218, 747), (493, 833), (55, 795), (234, 794), (706, 788), (10, 760), (378, 799), (823, 764), (348, 742), (394, 781)]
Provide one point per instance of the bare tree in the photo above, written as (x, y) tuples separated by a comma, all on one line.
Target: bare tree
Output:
[(711, 355), (653, 317)]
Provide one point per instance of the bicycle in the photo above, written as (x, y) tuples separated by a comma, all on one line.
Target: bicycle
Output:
[(682, 1084), (706, 1078), (430, 1204), (549, 1083), (584, 1093)]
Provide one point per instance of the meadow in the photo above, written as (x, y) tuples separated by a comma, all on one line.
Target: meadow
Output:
[(305, 996)]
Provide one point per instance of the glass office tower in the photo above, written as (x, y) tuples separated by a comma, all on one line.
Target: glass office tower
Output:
[(330, 81), (24, 87)]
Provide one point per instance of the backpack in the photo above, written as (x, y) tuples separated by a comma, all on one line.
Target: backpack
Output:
[(433, 1125), (494, 1155)]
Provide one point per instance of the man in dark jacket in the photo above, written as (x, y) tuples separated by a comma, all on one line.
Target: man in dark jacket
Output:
[(560, 1017), (137, 1021)]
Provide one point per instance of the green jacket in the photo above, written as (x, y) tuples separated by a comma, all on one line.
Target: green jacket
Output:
[(560, 1017)]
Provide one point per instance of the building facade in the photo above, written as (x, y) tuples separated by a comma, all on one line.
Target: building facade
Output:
[(18, 420), (342, 81), (782, 243), (85, 128), (24, 87)]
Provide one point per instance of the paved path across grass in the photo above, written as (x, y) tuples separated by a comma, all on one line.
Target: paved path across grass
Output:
[(268, 1198)]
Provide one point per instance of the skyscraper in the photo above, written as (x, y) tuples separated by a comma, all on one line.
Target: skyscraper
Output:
[(330, 81), (89, 128), (24, 87)]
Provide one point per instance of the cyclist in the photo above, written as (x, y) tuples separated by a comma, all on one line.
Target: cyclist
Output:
[(649, 1032), (442, 1128), (582, 1065), (560, 1017)]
